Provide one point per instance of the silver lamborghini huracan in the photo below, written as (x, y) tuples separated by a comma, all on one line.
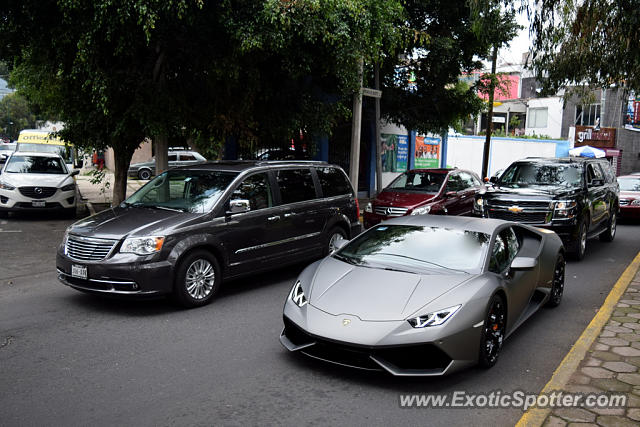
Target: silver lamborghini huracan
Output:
[(423, 295)]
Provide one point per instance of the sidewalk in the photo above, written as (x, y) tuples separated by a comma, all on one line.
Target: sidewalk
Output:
[(605, 359), (100, 193)]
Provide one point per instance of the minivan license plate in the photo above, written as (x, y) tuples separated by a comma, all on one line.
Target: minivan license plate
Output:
[(38, 204), (79, 271)]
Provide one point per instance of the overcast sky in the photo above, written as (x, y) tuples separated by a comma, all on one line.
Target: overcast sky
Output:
[(519, 45)]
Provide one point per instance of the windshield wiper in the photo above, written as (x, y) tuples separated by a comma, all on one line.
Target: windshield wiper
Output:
[(348, 260), (142, 205), (425, 261)]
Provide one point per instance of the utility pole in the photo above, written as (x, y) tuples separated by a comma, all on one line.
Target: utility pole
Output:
[(487, 142), (354, 161), (378, 137)]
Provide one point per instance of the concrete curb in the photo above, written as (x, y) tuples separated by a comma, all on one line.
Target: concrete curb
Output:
[(537, 416)]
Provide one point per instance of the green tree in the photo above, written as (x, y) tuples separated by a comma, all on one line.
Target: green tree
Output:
[(587, 41), (15, 115)]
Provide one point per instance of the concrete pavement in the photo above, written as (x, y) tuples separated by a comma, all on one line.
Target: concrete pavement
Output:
[(94, 194)]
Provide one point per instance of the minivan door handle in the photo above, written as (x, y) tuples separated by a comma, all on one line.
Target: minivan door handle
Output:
[(273, 218)]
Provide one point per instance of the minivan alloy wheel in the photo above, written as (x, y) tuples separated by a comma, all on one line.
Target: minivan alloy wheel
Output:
[(200, 279)]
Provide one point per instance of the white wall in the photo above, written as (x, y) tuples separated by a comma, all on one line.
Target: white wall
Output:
[(554, 117), (466, 152)]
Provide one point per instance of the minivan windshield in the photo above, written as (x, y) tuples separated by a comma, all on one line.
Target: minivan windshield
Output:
[(417, 249), (35, 164), (183, 190), (533, 174), (422, 181)]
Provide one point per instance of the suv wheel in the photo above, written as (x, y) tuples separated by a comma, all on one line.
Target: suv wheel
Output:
[(610, 232), (333, 235), (197, 279), (580, 246), (144, 174)]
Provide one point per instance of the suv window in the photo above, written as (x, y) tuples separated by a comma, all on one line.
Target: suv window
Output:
[(187, 157), (505, 249), (256, 190), (173, 157), (593, 172), (333, 182), (296, 185), (608, 172), (455, 183)]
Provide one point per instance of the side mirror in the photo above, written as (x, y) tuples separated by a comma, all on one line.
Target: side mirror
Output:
[(523, 263), (79, 164), (339, 243), (493, 180), (238, 206), (596, 182), (74, 172)]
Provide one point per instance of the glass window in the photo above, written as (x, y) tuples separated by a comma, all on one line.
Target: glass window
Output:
[(187, 157), (422, 181), (35, 164), (296, 185), (505, 249), (173, 157), (594, 172), (62, 150), (629, 184), (538, 117), (468, 180), (417, 248), (333, 182), (586, 115), (256, 190), (530, 174), (455, 183), (182, 190)]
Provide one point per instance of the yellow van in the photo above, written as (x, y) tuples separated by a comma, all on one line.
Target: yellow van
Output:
[(43, 141)]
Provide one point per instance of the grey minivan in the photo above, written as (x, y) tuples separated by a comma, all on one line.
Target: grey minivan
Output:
[(191, 227)]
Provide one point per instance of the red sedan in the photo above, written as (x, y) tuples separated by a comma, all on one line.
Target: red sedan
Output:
[(629, 196), (425, 191)]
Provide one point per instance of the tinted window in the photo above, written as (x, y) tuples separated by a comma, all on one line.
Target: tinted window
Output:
[(417, 248), (469, 180), (427, 182), (256, 190), (333, 182), (187, 157), (455, 183), (593, 172), (505, 249), (608, 172), (173, 157), (296, 185), (526, 174), (34, 164)]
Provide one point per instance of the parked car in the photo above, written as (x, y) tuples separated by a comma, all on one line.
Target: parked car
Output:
[(424, 295), (191, 227), (146, 170), (5, 152), (629, 196), (575, 197), (425, 191), (37, 182)]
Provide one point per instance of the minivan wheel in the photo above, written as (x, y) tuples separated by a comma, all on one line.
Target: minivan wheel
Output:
[(144, 174), (610, 232), (333, 235), (197, 279)]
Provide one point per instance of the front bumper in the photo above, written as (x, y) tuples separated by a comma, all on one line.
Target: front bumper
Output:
[(119, 274), (14, 201), (370, 219), (630, 211)]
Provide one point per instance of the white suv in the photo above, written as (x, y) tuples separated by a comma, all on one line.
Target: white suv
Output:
[(37, 181)]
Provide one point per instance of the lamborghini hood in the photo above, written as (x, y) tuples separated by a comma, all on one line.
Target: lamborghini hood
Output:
[(374, 294)]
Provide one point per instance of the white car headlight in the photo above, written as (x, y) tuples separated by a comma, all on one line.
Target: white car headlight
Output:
[(433, 319), (421, 210), (479, 202), (635, 202), (297, 295), (142, 245), (368, 208), (5, 186)]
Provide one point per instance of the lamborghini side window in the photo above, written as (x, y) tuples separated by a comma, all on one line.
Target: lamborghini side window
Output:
[(505, 249)]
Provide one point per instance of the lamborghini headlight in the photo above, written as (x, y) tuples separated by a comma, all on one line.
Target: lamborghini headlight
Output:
[(297, 295), (435, 318), (421, 210), (142, 245)]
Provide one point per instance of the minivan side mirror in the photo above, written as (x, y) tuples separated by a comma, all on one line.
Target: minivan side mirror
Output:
[(238, 206), (74, 172)]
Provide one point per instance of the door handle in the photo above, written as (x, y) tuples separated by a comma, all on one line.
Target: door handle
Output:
[(273, 218), (289, 214)]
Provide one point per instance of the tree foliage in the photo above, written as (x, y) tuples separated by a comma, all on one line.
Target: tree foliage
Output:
[(15, 114), (586, 41)]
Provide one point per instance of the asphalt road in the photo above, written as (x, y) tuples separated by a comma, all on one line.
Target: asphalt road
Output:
[(68, 358)]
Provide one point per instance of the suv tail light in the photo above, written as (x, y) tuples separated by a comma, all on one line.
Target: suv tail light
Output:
[(358, 207)]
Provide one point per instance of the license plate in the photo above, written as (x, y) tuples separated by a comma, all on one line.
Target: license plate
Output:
[(38, 204), (79, 271)]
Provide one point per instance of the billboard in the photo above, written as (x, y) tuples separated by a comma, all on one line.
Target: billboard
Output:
[(632, 115), (394, 152), (427, 153)]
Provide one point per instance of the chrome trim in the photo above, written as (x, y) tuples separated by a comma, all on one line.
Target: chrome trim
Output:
[(390, 211), (278, 242), (62, 278), (89, 244)]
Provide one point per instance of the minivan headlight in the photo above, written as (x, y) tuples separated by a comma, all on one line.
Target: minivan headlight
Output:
[(142, 245)]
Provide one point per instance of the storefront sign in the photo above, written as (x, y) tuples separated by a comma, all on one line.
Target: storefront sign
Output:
[(601, 138), (632, 116)]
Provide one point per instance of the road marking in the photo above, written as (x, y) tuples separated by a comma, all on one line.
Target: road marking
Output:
[(10, 231), (560, 378)]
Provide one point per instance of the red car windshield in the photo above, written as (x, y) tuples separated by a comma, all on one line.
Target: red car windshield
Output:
[(426, 182)]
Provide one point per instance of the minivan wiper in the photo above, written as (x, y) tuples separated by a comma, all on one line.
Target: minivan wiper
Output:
[(142, 205)]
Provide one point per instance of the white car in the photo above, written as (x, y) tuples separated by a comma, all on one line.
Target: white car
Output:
[(37, 181)]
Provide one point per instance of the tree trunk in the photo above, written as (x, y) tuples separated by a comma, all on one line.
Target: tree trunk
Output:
[(161, 143), (122, 158)]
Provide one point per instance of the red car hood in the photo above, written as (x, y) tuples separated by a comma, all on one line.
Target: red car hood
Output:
[(630, 194), (403, 199)]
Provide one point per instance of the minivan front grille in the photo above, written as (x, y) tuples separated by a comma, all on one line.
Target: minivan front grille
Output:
[(88, 249), (390, 211), (38, 192)]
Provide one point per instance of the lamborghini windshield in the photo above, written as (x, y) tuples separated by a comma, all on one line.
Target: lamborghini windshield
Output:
[(417, 249), (183, 190)]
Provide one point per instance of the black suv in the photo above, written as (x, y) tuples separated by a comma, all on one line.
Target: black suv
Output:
[(190, 227), (575, 197)]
